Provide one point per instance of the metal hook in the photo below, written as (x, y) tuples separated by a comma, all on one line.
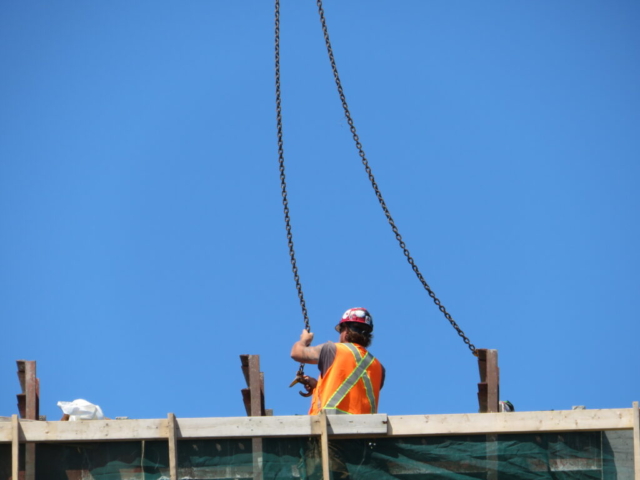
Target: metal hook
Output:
[(300, 379)]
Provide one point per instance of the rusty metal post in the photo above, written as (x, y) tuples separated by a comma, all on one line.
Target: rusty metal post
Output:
[(489, 401), (253, 398), (29, 408), (489, 386), (253, 395), (29, 399)]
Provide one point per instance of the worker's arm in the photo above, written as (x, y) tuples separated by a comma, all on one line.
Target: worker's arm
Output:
[(303, 352)]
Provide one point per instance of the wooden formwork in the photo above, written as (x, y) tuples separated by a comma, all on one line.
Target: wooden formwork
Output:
[(171, 429), (260, 423)]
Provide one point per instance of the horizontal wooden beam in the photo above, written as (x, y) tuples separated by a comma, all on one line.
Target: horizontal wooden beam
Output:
[(338, 425), (244, 427), (512, 422), (89, 430), (377, 424)]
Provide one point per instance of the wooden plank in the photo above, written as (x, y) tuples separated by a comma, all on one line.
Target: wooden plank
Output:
[(91, 430), (300, 426), (514, 422), (229, 427), (324, 445), (280, 426), (173, 446), (15, 447), (320, 427), (636, 438), (377, 424)]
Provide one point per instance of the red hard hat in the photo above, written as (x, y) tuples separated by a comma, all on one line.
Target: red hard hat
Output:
[(357, 315)]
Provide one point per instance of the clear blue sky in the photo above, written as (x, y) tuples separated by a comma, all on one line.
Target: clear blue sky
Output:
[(142, 241)]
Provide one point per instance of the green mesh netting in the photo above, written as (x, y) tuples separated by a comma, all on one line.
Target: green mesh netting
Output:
[(208, 459), (561, 456), (5, 461), (564, 456), (291, 458), (103, 461), (197, 459)]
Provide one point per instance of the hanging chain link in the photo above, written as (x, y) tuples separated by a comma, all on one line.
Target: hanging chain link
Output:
[(283, 181), (367, 168)]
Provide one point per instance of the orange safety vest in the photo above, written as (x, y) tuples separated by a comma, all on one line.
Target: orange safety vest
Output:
[(351, 384)]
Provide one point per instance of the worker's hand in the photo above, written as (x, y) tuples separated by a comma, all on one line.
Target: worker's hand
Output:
[(303, 352), (306, 338), (309, 383)]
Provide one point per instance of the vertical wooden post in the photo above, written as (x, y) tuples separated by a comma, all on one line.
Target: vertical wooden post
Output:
[(489, 386), (319, 427), (173, 446), (636, 438), (491, 458), (15, 447), (324, 445)]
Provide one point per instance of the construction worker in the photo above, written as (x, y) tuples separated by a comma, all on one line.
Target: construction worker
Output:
[(350, 377)]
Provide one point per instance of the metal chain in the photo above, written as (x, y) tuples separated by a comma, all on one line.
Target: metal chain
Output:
[(283, 182), (365, 162)]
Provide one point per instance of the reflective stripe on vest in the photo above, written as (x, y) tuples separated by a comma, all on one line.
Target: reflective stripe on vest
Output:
[(362, 364)]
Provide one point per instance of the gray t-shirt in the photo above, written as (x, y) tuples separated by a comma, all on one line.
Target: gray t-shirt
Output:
[(328, 355)]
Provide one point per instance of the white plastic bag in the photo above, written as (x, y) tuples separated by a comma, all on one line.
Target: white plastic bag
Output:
[(81, 410)]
